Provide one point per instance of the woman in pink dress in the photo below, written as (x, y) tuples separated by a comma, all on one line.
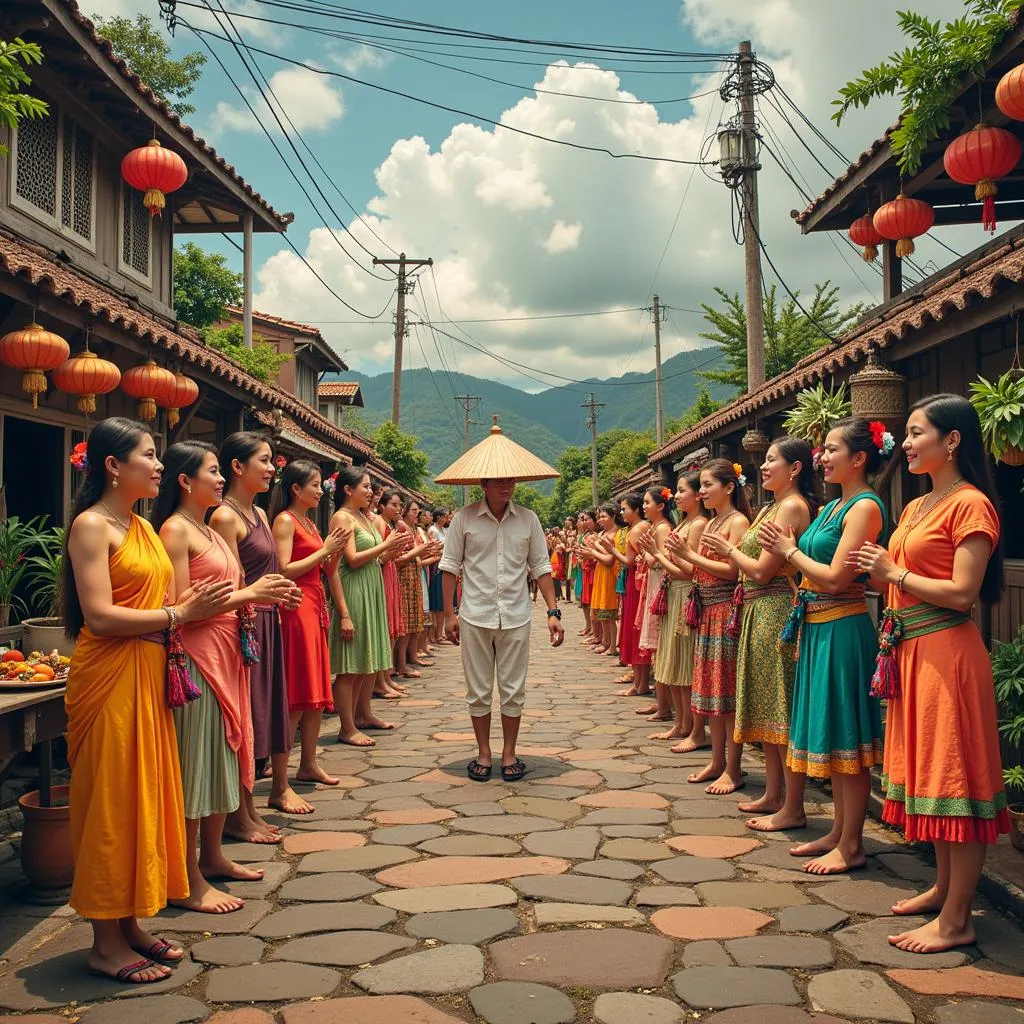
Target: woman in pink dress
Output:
[(304, 557)]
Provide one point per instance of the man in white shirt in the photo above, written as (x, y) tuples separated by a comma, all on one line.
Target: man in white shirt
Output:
[(492, 545)]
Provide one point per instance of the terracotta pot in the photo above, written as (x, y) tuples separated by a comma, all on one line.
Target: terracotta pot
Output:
[(1012, 456), (45, 635), (1017, 827), (46, 855)]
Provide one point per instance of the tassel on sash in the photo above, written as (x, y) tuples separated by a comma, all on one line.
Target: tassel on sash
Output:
[(180, 688), (247, 637), (732, 627)]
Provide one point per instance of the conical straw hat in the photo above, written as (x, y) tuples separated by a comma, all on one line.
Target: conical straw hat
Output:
[(496, 458)]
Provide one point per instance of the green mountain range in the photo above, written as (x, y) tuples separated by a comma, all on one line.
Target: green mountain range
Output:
[(546, 423)]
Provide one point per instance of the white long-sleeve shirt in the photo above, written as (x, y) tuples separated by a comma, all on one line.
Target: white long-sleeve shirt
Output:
[(493, 557)]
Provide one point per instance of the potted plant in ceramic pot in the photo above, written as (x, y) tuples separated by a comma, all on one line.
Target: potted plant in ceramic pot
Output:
[(17, 538), (815, 411), (1008, 675), (1000, 408), (45, 571)]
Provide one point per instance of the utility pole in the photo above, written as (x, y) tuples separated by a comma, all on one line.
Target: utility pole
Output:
[(592, 406), (468, 403), (751, 222), (404, 287), (657, 311)]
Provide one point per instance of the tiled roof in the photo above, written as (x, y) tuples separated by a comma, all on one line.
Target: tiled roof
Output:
[(147, 94), (34, 265), (948, 293), (338, 389), (291, 431), (279, 321)]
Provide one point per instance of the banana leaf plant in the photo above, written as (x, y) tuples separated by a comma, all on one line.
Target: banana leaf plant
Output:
[(816, 410), (1000, 408), (17, 539)]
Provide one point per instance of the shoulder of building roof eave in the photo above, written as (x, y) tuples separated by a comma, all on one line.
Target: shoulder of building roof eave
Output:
[(159, 112)]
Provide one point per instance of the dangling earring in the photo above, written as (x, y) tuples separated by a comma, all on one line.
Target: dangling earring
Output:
[(188, 487), (113, 483), (949, 454)]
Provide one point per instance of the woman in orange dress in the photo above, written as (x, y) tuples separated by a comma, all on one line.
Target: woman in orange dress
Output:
[(303, 557), (604, 602), (942, 769), (127, 816)]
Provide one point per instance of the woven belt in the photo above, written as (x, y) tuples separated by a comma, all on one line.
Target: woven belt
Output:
[(779, 586), (815, 608), (714, 593), (908, 623)]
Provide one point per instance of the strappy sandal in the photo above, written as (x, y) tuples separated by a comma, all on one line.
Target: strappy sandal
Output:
[(513, 772), (159, 950), (478, 772), (127, 973)]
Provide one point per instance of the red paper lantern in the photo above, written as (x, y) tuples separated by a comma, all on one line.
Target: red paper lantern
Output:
[(155, 171), (87, 376), (35, 351), (148, 383), (862, 232), (901, 220), (978, 158), (1010, 93), (184, 392)]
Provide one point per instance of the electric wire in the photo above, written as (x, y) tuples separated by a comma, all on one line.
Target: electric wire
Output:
[(271, 107), (601, 150), (430, 372)]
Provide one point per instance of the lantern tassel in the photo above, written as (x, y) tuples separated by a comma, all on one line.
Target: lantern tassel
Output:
[(154, 201), (986, 190), (870, 253), (905, 248)]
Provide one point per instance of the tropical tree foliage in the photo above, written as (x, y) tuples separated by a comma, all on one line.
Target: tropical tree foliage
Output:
[(15, 104), (789, 332), (399, 450), (814, 413), (203, 285), (263, 361), (702, 408), (141, 45), (930, 72)]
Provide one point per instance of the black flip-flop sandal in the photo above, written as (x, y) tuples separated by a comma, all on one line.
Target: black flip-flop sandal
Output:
[(158, 953), (478, 772), (513, 772)]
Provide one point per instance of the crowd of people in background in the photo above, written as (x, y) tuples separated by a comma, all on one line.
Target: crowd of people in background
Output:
[(752, 627), (212, 633)]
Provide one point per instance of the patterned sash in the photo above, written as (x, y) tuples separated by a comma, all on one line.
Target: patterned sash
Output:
[(814, 608), (908, 623)]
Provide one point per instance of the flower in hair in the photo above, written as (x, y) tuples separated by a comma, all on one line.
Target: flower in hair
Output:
[(331, 484), (665, 493), (884, 441), (281, 461), (737, 469), (79, 459), (816, 459), (741, 479)]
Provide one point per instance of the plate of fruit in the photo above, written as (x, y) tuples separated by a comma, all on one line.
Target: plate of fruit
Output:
[(32, 671)]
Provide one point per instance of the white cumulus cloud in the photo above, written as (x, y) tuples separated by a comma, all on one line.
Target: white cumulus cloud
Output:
[(308, 99), (564, 237)]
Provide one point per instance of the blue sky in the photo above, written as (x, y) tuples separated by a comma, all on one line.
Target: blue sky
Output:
[(521, 228)]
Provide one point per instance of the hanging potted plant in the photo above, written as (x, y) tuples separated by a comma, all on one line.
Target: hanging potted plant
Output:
[(1000, 407), (45, 569), (814, 413), (1008, 675), (17, 538)]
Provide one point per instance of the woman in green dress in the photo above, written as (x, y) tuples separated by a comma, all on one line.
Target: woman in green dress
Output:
[(835, 729), (765, 667), (360, 644)]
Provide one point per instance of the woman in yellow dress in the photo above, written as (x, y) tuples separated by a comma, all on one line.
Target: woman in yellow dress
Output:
[(127, 816)]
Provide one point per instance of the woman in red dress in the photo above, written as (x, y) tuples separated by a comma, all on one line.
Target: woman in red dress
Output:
[(629, 633), (303, 556)]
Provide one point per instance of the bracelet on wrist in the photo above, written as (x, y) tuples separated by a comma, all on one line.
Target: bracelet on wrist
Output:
[(902, 577), (790, 555), (172, 616)]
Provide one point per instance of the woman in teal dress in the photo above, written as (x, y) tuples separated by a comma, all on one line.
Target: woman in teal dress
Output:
[(835, 727), (360, 644)]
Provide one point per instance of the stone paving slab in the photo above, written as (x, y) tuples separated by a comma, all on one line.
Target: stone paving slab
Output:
[(146, 1010), (455, 968), (630, 1008), (636, 849), (706, 953), (228, 950), (447, 897), (960, 981), (690, 870), (973, 1012), (322, 917), (861, 995), (709, 922), (580, 842), (781, 951), (471, 846), (342, 949), (330, 887), (366, 858), (868, 942), (237, 923), (466, 927), (577, 913), (813, 918), (269, 983), (469, 870), (406, 835), (666, 896), (521, 1002), (607, 959), (716, 988), (756, 895), (574, 889)]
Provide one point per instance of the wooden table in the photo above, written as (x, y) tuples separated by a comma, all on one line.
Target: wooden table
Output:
[(30, 718)]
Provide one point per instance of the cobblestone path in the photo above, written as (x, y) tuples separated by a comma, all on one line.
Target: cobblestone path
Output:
[(602, 887)]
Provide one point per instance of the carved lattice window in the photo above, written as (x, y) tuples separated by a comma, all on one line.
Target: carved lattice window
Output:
[(38, 162), (135, 231)]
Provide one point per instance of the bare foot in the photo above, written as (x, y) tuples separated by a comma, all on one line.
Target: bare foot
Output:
[(412, 674), (229, 870), (835, 863), (316, 774), (672, 734), (724, 785), (688, 746), (760, 806), (712, 771), (624, 679), (289, 802), (928, 902), (663, 718), (110, 966), (651, 709), (387, 695), (207, 900), (375, 723), (250, 833), (264, 826), (826, 844), (600, 649), (933, 937), (776, 822), (357, 739)]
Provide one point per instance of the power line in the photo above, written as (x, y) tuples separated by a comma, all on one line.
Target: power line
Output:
[(604, 151)]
